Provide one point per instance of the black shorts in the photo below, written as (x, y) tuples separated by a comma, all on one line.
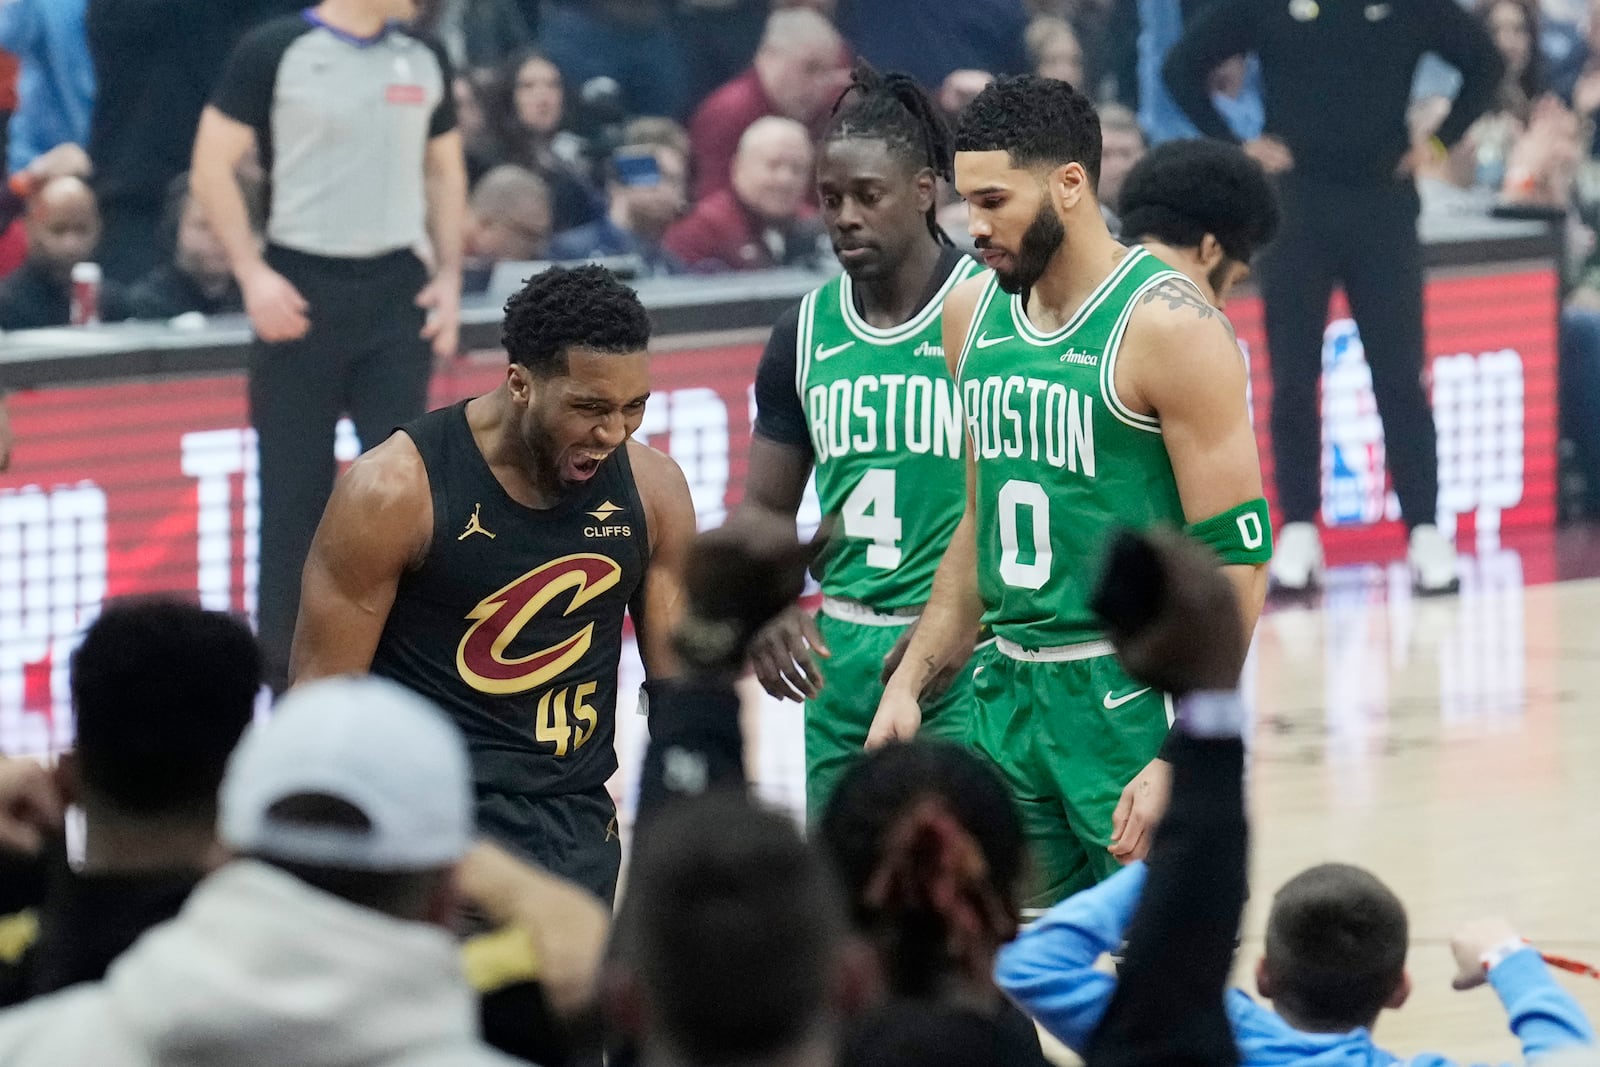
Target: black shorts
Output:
[(573, 835)]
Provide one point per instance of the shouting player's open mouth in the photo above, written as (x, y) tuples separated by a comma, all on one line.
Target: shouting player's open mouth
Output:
[(581, 463)]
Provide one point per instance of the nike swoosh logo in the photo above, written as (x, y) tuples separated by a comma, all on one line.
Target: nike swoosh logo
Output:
[(985, 341), (1113, 703), (829, 353)]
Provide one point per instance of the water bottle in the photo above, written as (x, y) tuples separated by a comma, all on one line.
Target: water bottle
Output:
[(86, 279)]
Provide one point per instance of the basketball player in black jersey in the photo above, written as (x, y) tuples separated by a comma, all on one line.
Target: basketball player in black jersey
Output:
[(485, 554)]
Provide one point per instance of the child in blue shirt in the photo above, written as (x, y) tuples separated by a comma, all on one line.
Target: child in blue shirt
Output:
[(1335, 957)]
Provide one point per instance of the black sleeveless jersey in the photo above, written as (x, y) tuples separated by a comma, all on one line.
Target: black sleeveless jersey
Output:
[(513, 622)]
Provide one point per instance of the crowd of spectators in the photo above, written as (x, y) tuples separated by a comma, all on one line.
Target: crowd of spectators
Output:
[(286, 889), (618, 128), (666, 136)]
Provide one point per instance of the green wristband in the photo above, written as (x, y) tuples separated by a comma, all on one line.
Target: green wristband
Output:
[(1242, 534)]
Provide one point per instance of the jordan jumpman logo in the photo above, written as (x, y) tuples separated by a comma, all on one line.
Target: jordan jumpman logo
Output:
[(474, 526)]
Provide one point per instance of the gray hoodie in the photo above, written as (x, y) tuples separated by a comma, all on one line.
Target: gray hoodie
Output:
[(261, 968)]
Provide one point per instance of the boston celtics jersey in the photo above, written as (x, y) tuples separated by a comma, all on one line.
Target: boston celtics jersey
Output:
[(885, 426), (1061, 461)]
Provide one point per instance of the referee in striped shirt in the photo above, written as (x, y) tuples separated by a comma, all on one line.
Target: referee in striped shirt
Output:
[(353, 119)]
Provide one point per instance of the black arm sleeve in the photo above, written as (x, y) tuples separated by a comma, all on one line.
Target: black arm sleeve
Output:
[(780, 416), (245, 91), (1462, 42), (1168, 1008), (444, 114), (695, 744), (1222, 30)]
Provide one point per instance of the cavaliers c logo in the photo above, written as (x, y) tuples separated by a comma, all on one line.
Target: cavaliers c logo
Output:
[(502, 615)]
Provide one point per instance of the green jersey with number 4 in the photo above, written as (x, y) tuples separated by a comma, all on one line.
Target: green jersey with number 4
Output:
[(885, 425), (1061, 461)]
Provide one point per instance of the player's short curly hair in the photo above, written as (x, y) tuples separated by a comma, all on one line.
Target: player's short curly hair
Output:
[(1039, 121), (562, 309), (1182, 190)]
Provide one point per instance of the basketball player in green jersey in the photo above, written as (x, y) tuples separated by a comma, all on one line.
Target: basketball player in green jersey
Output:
[(853, 384), (1100, 389)]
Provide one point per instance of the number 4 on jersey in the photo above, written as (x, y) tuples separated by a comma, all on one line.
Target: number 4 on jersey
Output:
[(869, 514)]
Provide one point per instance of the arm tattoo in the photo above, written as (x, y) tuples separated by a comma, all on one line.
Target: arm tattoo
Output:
[(1178, 296)]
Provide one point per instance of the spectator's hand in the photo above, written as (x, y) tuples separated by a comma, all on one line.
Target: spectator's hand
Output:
[(442, 298), (567, 924), (961, 87), (62, 161), (5, 437), (30, 805), (1586, 93), (1172, 614), (899, 718), (1139, 812), (781, 655), (277, 310), (1271, 153), (1543, 160), (1471, 942), (736, 579), (1421, 157)]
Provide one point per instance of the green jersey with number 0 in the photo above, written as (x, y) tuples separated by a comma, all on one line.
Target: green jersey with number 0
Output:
[(1061, 461), (885, 425)]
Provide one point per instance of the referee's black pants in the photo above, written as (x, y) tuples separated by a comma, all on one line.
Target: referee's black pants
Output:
[(1366, 238), (364, 357)]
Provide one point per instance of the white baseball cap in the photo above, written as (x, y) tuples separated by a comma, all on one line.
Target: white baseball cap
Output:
[(373, 744)]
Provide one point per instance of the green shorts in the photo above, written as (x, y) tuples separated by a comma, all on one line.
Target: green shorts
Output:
[(838, 718), (1068, 736)]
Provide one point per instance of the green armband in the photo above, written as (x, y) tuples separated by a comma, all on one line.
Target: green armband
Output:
[(1242, 534)]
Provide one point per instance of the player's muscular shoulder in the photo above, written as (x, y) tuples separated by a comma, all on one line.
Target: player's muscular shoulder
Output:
[(384, 500), (663, 490), (959, 307), (1175, 338)]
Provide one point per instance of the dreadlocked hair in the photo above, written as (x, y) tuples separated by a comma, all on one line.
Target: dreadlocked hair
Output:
[(895, 109), (929, 847)]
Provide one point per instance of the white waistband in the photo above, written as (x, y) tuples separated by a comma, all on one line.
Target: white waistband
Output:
[(1059, 654), (856, 612)]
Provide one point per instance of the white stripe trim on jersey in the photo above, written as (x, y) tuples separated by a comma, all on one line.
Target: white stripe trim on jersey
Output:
[(858, 613), (916, 324), (990, 287), (1059, 654), (1108, 365), (1108, 376), (802, 345), (1031, 333)]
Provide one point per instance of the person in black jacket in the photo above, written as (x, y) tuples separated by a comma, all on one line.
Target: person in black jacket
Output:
[(1337, 80), (155, 63), (162, 692), (1185, 637), (63, 230)]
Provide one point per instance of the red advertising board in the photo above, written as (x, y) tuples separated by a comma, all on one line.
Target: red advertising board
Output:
[(150, 486)]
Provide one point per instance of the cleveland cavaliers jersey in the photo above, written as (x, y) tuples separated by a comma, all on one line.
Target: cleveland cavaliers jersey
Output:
[(513, 622)]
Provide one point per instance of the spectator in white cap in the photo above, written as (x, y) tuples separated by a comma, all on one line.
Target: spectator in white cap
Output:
[(324, 941)]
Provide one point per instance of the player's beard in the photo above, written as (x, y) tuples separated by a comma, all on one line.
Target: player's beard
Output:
[(1039, 243), (1218, 275)]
